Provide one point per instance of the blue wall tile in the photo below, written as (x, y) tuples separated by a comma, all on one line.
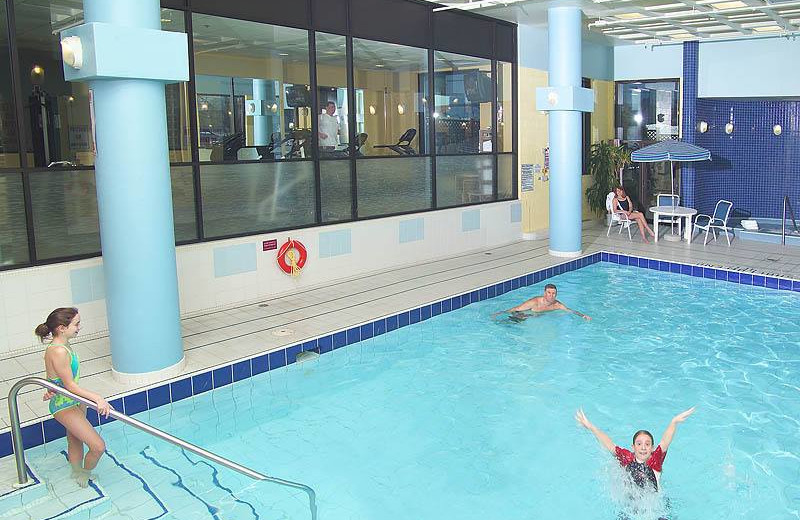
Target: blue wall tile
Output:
[(367, 331), (277, 359), (158, 396), (411, 230), (340, 339), (87, 284), (135, 403), (202, 383), (181, 389), (353, 335), (379, 327), (516, 212), (241, 370), (230, 260), (335, 243), (222, 376), (5, 444), (292, 352), (32, 435), (325, 344), (53, 430), (471, 220)]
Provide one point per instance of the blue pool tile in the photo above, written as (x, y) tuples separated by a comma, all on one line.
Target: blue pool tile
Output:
[(339, 339), (135, 403), (674, 268), (379, 326), (241, 370), (686, 269), (436, 309), (292, 352), (447, 305), (663, 266), (367, 331), (465, 300), (158, 396), (548, 273), (277, 359), (559, 269), (475, 296), (353, 336), (537, 277), (426, 312), (483, 294), (180, 389), (414, 316), (403, 319), (53, 430), (624, 260), (515, 283), (490, 291), (32, 435), (260, 364), (709, 272), (498, 289), (92, 417), (455, 302), (771, 282), (310, 345), (633, 260), (697, 271), (391, 321), (652, 264), (733, 277), (796, 285), (118, 406), (202, 383), (506, 286), (223, 376), (758, 280), (784, 285), (528, 280), (325, 344), (722, 274), (5, 444), (604, 256), (613, 258)]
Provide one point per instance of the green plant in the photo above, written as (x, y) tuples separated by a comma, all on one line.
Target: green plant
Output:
[(605, 161)]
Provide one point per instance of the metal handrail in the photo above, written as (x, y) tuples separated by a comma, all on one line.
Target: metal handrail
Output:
[(19, 450), (787, 205)]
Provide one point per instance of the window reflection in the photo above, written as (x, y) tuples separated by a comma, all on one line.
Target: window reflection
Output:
[(13, 234), (505, 108), (647, 111), (463, 96), (9, 149), (333, 131), (252, 84), (391, 98)]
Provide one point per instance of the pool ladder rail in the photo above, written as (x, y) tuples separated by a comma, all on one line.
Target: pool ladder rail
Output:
[(19, 451), (787, 206)]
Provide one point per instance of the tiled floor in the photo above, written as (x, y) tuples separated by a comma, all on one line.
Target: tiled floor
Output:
[(218, 338)]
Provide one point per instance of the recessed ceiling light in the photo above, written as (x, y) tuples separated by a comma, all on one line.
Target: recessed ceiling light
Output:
[(283, 54), (729, 5), (629, 16), (768, 28)]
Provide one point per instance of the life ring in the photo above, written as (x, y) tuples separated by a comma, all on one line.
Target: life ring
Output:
[(292, 257)]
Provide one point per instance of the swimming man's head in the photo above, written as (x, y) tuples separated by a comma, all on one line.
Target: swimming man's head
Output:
[(550, 293)]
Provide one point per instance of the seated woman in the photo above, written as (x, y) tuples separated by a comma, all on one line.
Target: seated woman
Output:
[(623, 204)]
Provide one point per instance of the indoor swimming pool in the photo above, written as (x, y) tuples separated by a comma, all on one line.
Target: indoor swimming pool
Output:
[(461, 417)]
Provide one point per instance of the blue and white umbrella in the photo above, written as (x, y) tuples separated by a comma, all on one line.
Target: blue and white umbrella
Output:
[(671, 151)]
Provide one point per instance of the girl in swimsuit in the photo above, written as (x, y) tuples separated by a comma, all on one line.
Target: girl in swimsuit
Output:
[(63, 368), (622, 204), (642, 462)]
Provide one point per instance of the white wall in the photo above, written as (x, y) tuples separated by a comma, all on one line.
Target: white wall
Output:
[(597, 59), (749, 68), (28, 295), (632, 62)]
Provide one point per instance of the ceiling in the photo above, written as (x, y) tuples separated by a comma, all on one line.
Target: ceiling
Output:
[(656, 21)]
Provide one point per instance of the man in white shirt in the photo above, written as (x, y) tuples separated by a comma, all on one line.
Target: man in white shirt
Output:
[(328, 128)]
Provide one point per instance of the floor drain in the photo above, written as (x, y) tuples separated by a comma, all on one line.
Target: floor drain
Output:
[(282, 332)]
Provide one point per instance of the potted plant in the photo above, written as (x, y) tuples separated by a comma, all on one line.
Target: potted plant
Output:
[(605, 162)]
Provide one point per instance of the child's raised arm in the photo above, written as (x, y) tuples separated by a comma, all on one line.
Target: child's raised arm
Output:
[(666, 439), (604, 439)]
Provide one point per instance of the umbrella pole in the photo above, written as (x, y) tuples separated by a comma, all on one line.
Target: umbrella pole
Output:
[(671, 237)]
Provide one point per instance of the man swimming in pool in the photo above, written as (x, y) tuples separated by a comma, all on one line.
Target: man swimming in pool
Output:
[(546, 302)]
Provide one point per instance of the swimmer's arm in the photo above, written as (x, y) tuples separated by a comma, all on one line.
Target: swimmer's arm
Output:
[(573, 311), (666, 439), (63, 369), (601, 436)]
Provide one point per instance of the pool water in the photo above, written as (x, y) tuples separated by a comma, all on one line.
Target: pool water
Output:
[(460, 417)]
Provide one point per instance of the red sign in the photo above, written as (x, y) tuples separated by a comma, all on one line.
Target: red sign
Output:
[(269, 245)]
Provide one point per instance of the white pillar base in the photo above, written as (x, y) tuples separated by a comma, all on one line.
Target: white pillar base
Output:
[(146, 378), (565, 254)]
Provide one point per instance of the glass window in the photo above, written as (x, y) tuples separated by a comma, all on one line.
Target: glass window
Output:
[(506, 176), (332, 96), (391, 98), (13, 231), (177, 99), (253, 93), (335, 190), (256, 197), (9, 149), (463, 113), (505, 108), (64, 206), (647, 111), (183, 211), (464, 179), (387, 186)]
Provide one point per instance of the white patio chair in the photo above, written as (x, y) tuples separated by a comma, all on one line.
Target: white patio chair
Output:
[(719, 220), (620, 219), (666, 199)]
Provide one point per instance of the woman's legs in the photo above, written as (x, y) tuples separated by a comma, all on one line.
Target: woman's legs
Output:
[(642, 223), (80, 432)]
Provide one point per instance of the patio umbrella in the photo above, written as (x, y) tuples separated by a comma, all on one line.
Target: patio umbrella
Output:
[(671, 151)]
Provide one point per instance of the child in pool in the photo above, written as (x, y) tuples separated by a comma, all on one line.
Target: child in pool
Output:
[(642, 462), (63, 368)]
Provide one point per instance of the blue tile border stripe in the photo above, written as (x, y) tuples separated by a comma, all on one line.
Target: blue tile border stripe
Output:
[(38, 433)]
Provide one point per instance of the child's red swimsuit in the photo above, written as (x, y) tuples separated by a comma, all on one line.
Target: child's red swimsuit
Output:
[(641, 472)]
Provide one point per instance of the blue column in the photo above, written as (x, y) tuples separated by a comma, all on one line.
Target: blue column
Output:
[(564, 25), (689, 121), (134, 197)]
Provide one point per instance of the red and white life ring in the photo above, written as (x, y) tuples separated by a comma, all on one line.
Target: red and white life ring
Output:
[(292, 257)]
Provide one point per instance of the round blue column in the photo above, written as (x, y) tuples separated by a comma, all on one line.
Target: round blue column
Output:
[(564, 25), (134, 197)]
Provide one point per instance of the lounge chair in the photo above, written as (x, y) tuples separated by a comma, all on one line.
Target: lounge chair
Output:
[(403, 145), (719, 220), (620, 219)]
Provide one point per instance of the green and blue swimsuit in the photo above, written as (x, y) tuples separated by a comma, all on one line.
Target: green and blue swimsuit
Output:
[(61, 402)]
